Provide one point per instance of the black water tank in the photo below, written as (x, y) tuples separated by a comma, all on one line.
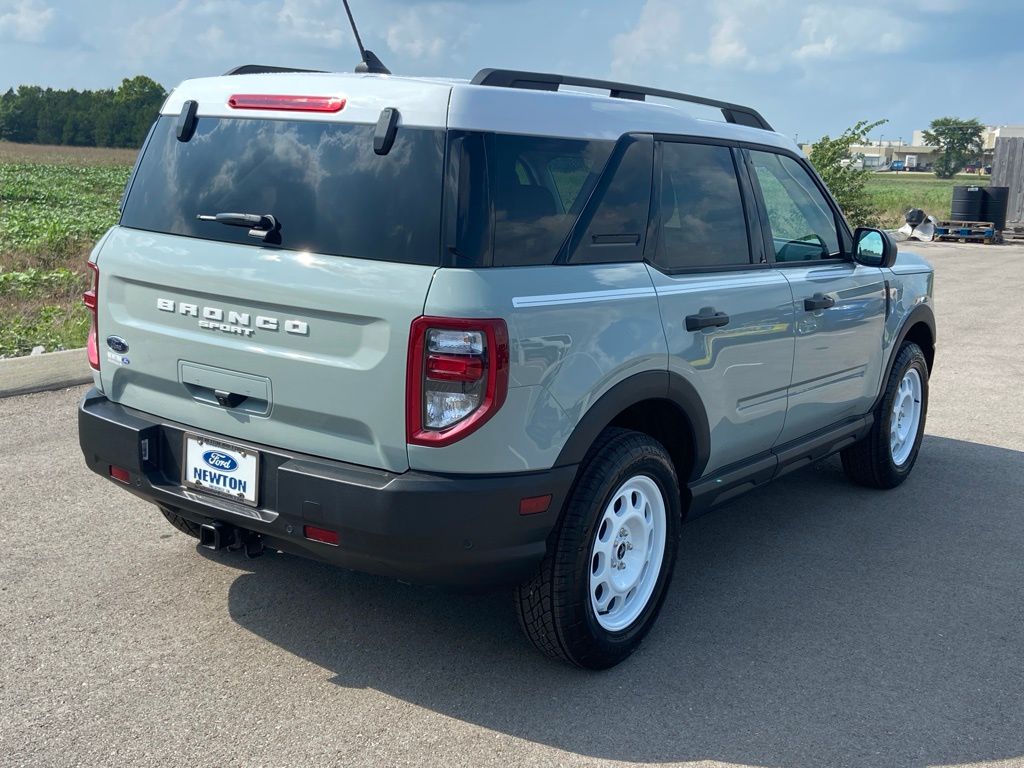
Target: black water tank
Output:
[(994, 207), (967, 202)]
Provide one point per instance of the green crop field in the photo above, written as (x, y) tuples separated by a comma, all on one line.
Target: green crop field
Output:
[(54, 203), (892, 194)]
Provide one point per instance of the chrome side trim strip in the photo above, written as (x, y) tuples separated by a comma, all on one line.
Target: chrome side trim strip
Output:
[(695, 286), (553, 299)]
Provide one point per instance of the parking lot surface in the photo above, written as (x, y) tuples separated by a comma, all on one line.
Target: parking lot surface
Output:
[(811, 623)]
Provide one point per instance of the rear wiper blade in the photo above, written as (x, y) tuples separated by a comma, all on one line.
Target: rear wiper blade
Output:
[(260, 224)]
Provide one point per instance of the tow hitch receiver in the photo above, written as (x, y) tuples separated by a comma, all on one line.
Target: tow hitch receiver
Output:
[(216, 536)]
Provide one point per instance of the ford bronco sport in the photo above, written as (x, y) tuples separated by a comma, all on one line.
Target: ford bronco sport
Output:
[(489, 332)]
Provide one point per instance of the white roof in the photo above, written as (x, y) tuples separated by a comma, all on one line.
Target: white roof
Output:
[(457, 104)]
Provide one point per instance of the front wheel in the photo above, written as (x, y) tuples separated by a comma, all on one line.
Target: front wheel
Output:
[(600, 587), (885, 457)]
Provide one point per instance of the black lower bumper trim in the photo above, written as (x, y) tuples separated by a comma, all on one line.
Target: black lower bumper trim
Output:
[(459, 530)]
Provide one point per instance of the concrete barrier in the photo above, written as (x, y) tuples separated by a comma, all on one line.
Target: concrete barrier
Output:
[(37, 373)]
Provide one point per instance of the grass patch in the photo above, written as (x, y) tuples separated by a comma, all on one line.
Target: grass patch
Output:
[(892, 195), (55, 202)]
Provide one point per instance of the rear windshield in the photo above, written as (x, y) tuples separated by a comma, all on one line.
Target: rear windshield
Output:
[(321, 181)]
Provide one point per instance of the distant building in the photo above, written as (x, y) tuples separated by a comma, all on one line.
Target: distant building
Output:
[(880, 155), (917, 155)]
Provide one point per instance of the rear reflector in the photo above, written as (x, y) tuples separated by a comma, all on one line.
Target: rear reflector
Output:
[(286, 103), (121, 474), (534, 505), (322, 535), (91, 300)]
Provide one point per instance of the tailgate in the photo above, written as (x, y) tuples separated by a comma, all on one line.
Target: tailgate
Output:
[(316, 345)]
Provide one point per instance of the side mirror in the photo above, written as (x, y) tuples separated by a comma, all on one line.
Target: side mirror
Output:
[(873, 248)]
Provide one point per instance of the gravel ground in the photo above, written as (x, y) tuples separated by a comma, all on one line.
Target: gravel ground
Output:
[(811, 623)]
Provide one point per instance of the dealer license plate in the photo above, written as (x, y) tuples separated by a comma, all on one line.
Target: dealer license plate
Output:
[(221, 468)]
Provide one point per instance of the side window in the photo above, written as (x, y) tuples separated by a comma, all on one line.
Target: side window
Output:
[(570, 176), (613, 224), (531, 219), (802, 223), (702, 218)]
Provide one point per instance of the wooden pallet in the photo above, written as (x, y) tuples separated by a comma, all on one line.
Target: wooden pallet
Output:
[(971, 238), (959, 224), (955, 230)]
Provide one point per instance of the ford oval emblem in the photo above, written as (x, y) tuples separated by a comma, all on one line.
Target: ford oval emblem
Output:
[(117, 344), (220, 461)]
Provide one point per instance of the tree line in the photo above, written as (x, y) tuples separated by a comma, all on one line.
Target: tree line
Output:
[(104, 118)]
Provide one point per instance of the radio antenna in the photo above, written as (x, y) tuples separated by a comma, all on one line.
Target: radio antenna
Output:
[(368, 61)]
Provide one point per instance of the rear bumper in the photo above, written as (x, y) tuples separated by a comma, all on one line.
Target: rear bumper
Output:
[(458, 530)]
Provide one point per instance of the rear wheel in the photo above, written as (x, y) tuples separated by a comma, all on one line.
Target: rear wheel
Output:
[(600, 587), (886, 456), (185, 526)]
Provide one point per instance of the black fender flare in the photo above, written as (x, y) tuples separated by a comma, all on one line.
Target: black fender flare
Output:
[(922, 313), (649, 385)]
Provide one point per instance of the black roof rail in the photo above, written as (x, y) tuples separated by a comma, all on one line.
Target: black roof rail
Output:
[(539, 81), (259, 69)]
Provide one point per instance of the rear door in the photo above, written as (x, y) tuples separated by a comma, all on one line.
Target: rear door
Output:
[(304, 328), (839, 305), (727, 314)]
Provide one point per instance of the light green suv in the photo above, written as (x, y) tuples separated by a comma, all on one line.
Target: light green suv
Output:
[(488, 333)]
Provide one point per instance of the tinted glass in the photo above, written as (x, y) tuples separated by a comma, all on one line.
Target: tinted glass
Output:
[(321, 181), (702, 218), (614, 224), (803, 226), (538, 186)]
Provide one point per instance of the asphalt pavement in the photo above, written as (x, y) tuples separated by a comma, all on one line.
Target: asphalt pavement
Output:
[(811, 623)]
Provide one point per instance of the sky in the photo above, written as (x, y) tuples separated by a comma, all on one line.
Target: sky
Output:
[(809, 67)]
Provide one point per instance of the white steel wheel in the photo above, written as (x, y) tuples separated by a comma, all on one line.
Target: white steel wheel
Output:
[(905, 418), (629, 546)]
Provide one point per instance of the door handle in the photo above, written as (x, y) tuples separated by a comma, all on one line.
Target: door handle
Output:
[(706, 318), (818, 301)]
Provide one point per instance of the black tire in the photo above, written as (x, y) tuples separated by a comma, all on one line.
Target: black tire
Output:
[(185, 526), (869, 462), (555, 609)]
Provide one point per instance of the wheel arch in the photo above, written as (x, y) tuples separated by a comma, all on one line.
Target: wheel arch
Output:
[(918, 327), (659, 403)]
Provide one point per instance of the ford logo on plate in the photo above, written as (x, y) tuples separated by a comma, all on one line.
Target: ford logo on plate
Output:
[(220, 461), (117, 344)]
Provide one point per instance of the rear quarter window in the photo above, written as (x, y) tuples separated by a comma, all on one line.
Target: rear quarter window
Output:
[(519, 196), (322, 181)]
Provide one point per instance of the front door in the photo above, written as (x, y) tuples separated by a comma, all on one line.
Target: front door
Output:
[(839, 306)]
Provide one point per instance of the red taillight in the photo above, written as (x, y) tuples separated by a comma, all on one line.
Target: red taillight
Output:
[(454, 367), (121, 474), (457, 377), (323, 535), (90, 298), (286, 103)]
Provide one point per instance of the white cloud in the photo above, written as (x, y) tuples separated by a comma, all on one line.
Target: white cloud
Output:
[(657, 36), (319, 22), (727, 47), (26, 21), (763, 35), (427, 30)]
